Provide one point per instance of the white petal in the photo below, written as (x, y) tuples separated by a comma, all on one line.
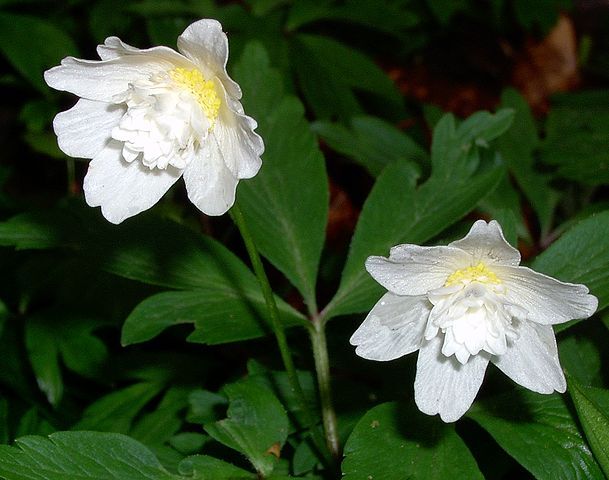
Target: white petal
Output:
[(210, 184), (97, 80), (415, 270), (547, 300), (85, 129), (206, 45), (393, 328), (532, 360), (486, 243), (114, 47), (124, 189), (443, 385), (239, 145)]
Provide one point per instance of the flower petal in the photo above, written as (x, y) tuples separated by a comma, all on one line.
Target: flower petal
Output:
[(209, 182), (393, 328), (486, 243), (206, 45), (85, 129), (547, 300), (414, 270), (114, 47), (532, 360), (442, 385), (238, 144), (124, 189), (97, 80)]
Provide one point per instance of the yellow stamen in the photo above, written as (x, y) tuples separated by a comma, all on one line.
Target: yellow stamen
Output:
[(203, 90), (479, 273)]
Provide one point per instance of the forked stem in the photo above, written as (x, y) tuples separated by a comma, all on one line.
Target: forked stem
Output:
[(276, 324)]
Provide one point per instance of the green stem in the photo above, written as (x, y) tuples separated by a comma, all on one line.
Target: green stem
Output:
[(322, 367), (278, 328)]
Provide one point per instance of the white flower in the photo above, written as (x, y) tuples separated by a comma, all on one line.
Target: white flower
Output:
[(463, 305), (147, 117)]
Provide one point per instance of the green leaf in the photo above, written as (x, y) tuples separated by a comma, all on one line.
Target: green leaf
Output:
[(592, 406), (80, 455), (32, 45), (330, 74), (580, 154), (256, 425), (157, 427), (202, 467), (371, 142), (525, 424), (36, 230), (204, 406), (580, 356), (220, 314), (396, 212), (116, 411), (517, 147), (392, 442), (51, 335), (286, 204), (279, 383), (392, 18), (581, 255)]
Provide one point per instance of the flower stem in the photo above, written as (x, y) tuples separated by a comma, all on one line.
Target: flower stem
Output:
[(277, 326), (322, 367)]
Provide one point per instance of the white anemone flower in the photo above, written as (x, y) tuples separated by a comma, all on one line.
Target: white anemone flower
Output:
[(465, 305), (148, 117)]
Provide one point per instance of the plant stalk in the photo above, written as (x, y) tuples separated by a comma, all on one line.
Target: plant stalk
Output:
[(276, 324), (322, 367)]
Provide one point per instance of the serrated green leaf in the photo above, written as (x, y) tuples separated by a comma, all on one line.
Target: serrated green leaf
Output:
[(534, 428), (116, 411), (279, 383), (517, 147), (580, 154), (393, 18), (256, 424), (286, 205), (395, 212), (393, 442), (592, 406), (51, 335), (219, 315), (330, 73), (157, 427), (580, 356), (371, 142), (37, 230), (204, 406), (40, 48), (82, 456), (581, 255), (203, 467)]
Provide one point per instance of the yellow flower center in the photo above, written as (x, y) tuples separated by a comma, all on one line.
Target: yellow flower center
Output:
[(203, 90), (479, 273)]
